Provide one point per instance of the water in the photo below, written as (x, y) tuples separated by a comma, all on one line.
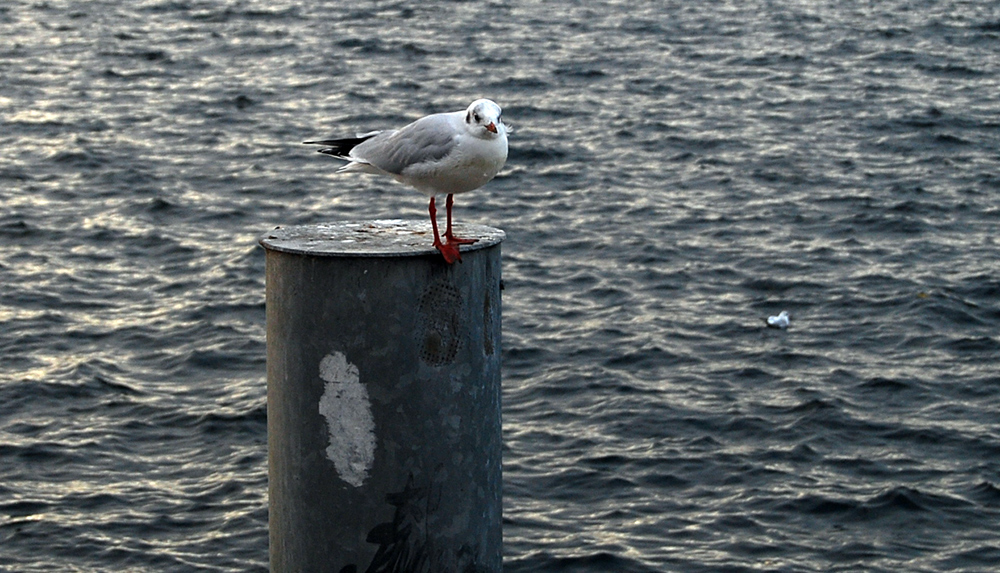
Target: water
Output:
[(678, 172)]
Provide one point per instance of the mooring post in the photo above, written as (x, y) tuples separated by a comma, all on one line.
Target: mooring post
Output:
[(383, 399)]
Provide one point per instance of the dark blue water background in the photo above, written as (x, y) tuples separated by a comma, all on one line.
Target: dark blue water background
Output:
[(678, 171)]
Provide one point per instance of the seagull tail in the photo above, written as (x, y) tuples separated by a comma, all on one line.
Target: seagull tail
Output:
[(341, 148)]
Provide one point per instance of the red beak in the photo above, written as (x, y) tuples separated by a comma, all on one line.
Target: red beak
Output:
[(492, 127)]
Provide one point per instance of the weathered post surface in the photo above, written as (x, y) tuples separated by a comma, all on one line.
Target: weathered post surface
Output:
[(383, 399)]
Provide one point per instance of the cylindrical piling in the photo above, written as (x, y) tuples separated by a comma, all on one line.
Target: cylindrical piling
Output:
[(383, 399)]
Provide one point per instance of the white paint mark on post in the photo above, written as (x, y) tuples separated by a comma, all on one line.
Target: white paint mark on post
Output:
[(348, 413)]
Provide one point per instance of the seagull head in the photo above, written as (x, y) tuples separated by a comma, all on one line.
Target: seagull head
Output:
[(483, 118)]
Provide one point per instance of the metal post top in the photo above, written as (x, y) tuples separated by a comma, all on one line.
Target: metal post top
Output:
[(379, 238)]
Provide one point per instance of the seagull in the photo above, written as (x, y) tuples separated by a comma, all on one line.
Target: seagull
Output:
[(780, 321), (439, 154)]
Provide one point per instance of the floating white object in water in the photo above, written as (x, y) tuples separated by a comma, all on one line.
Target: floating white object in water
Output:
[(780, 321)]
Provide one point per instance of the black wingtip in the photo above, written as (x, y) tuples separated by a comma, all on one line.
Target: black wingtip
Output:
[(340, 147)]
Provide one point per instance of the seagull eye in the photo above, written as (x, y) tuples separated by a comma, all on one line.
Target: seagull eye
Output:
[(478, 119)]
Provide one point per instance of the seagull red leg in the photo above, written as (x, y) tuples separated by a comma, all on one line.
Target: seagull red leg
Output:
[(447, 250), (448, 236)]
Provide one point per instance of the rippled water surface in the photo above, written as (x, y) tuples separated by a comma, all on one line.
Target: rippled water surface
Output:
[(678, 172)]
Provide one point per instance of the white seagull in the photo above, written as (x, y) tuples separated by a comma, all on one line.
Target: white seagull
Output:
[(440, 154), (780, 321)]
